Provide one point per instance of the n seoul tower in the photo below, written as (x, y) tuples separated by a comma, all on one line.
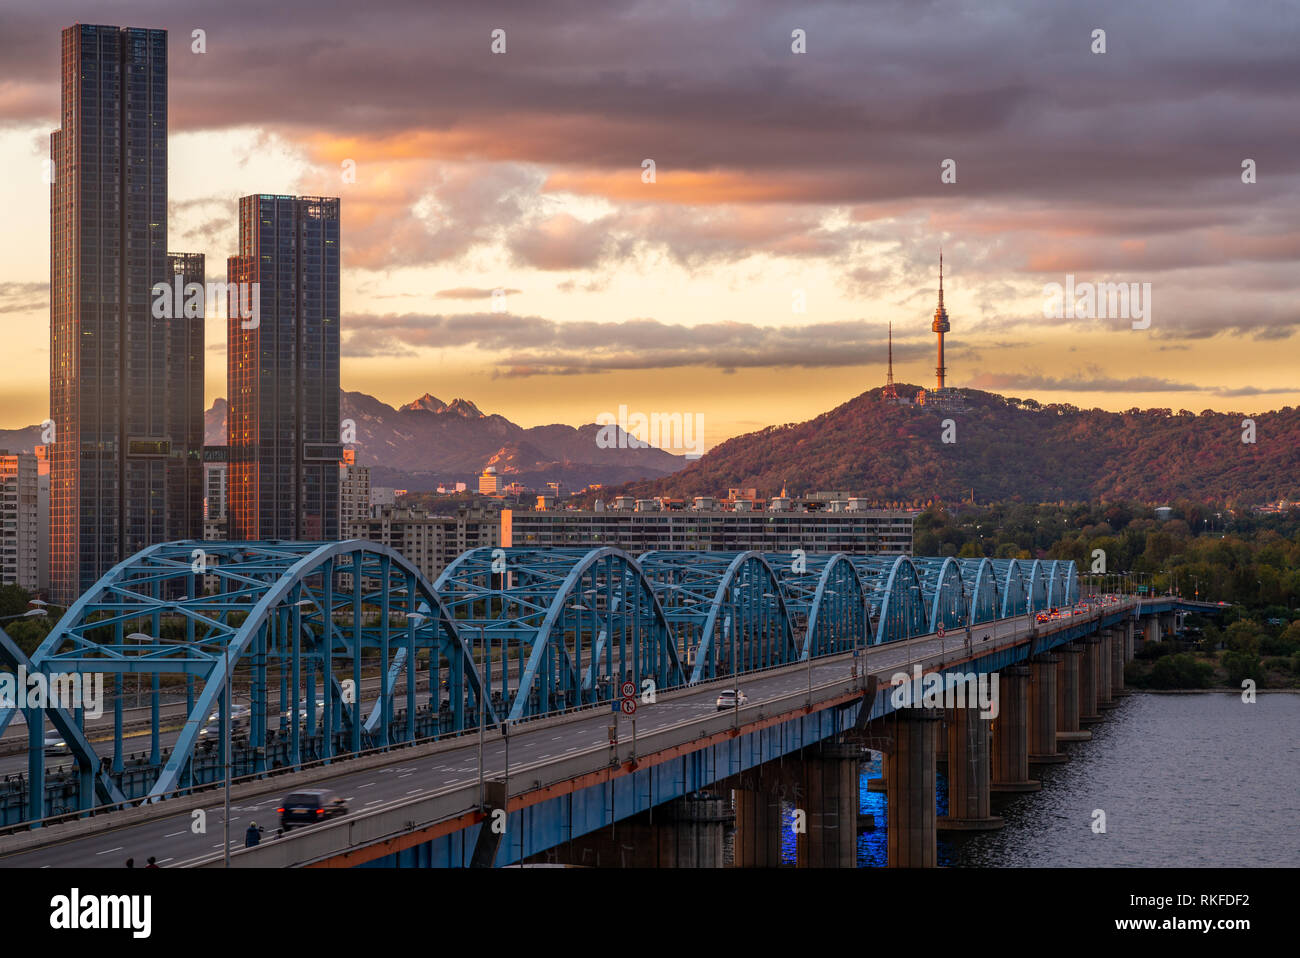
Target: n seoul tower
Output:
[(940, 324)]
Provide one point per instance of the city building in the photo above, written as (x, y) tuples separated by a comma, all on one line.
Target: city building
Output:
[(20, 524), (43, 518), (429, 541), (489, 482), (644, 525), (354, 490), (124, 464), (215, 476), (283, 370)]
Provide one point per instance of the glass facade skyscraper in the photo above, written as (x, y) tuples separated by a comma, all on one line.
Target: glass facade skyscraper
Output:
[(283, 370), (125, 467)]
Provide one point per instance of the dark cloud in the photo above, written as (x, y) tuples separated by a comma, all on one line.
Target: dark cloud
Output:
[(1067, 161), (530, 345)]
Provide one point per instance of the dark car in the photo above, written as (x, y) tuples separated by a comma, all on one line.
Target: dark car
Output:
[(310, 805)]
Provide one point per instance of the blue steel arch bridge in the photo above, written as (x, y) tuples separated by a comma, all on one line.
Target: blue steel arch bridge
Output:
[(344, 647)]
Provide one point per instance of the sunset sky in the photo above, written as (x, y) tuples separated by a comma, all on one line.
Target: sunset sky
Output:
[(777, 175)]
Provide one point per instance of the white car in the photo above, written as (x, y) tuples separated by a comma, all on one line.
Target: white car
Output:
[(239, 712), (727, 699), (55, 745)]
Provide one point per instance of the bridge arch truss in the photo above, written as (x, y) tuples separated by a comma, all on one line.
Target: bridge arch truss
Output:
[(293, 613)]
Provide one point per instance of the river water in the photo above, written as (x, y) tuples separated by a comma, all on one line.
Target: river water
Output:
[(1194, 780)]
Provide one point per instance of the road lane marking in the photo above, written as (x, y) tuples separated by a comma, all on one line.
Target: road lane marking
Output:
[(367, 785), (174, 834), (110, 850)]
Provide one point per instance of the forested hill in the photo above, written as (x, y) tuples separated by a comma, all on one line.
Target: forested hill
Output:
[(1006, 449)]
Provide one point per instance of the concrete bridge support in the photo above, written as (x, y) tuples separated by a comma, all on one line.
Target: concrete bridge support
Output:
[(1089, 662), (1104, 698), (1067, 694), (1118, 644), (758, 827), (1042, 711), (1151, 628), (685, 833), (829, 798), (969, 774), (1011, 733), (911, 836)]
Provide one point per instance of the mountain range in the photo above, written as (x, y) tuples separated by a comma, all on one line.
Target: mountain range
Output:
[(426, 442), (1002, 448), (1006, 449)]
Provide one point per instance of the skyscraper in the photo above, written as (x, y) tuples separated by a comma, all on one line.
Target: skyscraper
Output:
[(283, 370), (121, 443)]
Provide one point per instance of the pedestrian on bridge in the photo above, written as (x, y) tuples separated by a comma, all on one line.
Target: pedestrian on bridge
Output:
[(253, 835)]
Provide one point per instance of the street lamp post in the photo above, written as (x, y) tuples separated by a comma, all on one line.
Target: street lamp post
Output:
[(482, 795), (29, 614), (229, 742)]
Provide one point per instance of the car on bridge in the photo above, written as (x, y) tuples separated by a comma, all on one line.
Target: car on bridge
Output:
[(55, 745), (309, 806), (727, 699), (212, 729)]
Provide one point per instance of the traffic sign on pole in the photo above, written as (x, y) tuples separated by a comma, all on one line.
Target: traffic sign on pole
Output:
[(628, 689), (629, 706), (939, 631)]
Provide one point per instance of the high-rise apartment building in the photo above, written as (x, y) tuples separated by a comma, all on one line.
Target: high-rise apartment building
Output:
[(121, 445), (19, 521), (430, 542), (283, 370), (354, 491), (214, 484)]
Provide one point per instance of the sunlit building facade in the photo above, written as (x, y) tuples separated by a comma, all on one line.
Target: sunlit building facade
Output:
[(283, 370), (125, 468)]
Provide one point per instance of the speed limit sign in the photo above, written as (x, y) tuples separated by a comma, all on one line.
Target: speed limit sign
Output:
[(628, 689)]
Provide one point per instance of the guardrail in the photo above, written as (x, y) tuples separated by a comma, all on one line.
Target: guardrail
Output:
[(403, 816)]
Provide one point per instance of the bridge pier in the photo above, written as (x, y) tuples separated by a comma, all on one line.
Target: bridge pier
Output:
[(1151, 629), (1067, 695), (758, 829), (969, 802), (1118, 642), (685, 833), (1104, 698), (830, 801), (1042, 711), (1088, 668), (911, 836), (1011, 733)]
